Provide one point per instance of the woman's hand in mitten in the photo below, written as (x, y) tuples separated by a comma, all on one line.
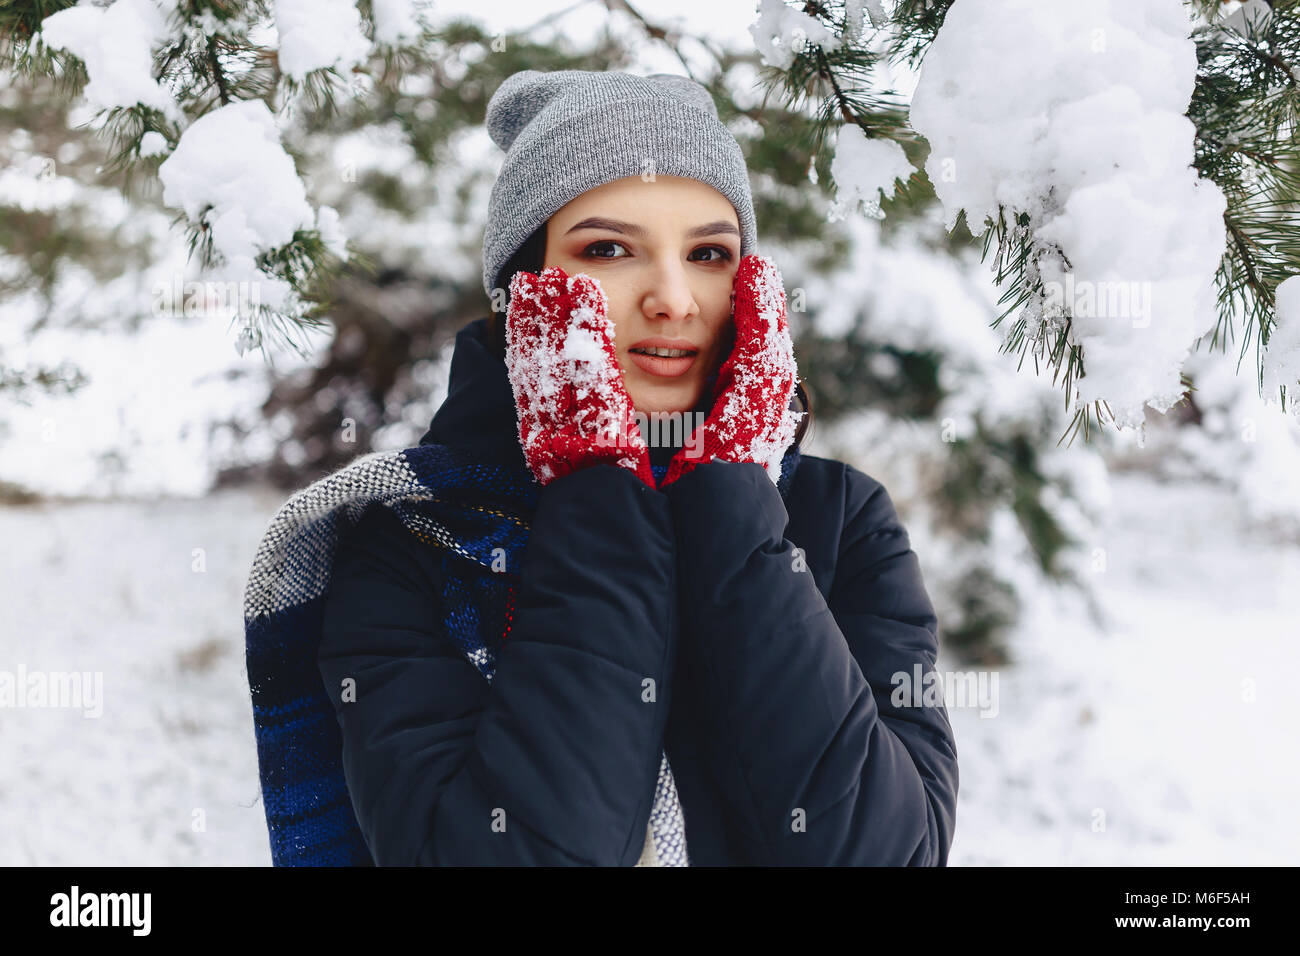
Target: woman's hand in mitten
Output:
[(751, 419), (572, 406)]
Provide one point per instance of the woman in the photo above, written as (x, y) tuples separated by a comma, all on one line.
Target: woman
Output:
[(693, 657)]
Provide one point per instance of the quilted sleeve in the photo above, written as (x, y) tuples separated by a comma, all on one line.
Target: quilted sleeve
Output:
[(555, 761), (817, 765)]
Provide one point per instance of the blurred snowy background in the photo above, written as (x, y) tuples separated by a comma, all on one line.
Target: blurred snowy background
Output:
[(1131, 600)]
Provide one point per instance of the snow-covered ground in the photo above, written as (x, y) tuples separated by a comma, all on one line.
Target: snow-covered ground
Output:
[(1164, 738), (1140, 744), (167, 774)]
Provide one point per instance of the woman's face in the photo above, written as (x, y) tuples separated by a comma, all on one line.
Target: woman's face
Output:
[(665, 252)]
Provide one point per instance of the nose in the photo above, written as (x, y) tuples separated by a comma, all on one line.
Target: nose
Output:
[(668, 293)]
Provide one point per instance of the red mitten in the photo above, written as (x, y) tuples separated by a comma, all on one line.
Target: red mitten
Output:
[(573, 409), (751, 418)]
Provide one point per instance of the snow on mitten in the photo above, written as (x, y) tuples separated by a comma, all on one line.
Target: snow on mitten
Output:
[(751, 420), (572, 406)]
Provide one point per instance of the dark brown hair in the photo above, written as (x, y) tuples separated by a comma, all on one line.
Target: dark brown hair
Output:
[(529, 258)]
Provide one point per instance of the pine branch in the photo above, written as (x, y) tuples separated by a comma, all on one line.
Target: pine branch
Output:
[(837, 85), (1246, 111), (208, 62), (916, 24)]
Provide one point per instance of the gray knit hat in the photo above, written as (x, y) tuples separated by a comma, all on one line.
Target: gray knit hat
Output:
[(567, 131)]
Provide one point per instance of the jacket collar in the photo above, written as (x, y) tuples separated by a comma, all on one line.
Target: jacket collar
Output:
[(478, 414)]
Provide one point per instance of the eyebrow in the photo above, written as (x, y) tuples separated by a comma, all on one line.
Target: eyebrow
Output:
[(639, 232)]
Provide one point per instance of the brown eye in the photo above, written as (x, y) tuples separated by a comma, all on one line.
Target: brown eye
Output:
[(604, 243), (724, 253)]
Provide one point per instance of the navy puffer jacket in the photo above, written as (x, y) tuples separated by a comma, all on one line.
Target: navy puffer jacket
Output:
[(772, 629)]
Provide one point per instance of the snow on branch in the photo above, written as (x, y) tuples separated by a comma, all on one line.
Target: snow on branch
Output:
[(200, 94), (1135, 165)]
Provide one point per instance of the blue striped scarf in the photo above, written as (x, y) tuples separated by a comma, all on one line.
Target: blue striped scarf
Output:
[(462, 506)]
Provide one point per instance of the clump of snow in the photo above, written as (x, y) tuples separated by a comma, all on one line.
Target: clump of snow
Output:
[(582, 346), (865, 169), (397, 21), (781, 32), (1074, 114), (33, 183), (853, 18), (1281, 364), (319, 34), (331, 231), (231, 164), (116, 43), (153, 143)]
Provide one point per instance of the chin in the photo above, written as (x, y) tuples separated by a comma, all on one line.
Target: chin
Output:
[(677, 399)]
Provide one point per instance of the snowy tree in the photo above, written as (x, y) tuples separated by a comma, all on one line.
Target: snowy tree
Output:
[(197, 94), (1132, 166), (391, 139)]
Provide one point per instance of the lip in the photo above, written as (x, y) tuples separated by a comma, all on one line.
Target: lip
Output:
[(657, 365)]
